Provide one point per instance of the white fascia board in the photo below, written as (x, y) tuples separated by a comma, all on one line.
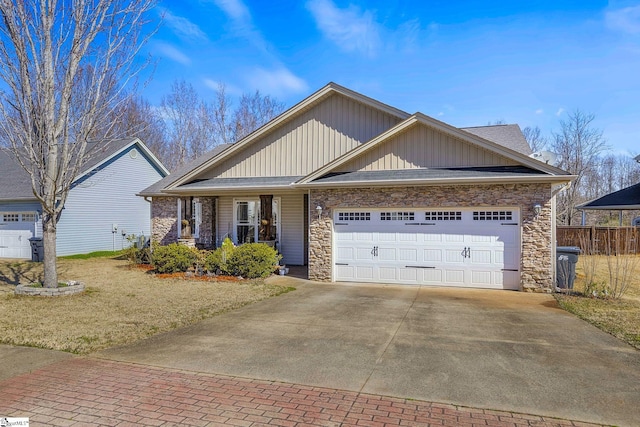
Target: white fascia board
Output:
[(550, 179)]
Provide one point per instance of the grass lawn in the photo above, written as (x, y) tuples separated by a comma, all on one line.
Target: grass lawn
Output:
[(620, 318), (121, 304)]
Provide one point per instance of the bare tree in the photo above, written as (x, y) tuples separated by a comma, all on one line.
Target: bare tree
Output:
[(579, 145), (254, 111), (535, 138), (195, 126), (63, 64)]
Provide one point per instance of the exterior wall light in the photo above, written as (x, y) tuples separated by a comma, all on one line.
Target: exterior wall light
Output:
[(537, 209), (319, 211)]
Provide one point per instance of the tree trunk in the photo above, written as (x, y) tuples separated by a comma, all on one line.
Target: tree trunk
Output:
[(49, 241)]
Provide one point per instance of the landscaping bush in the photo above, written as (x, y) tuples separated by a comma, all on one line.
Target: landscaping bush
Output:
[(252, 260), (173, 258)]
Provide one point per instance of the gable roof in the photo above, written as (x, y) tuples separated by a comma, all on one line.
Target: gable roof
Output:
[(464, 135), (509, 136), (625, 199), (304, 105), (16, 183)]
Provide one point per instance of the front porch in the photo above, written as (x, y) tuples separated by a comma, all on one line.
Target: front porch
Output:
[(280, 220)]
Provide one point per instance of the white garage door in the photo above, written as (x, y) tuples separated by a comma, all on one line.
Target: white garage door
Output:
[(16, 228), (454, 247)]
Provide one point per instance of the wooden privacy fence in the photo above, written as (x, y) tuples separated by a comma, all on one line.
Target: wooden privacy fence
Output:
[(600, 240)]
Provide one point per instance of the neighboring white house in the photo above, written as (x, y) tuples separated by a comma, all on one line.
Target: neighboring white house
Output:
[(102, 207)]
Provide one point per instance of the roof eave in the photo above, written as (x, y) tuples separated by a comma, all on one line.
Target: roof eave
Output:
[(610, 208), (546, 179)]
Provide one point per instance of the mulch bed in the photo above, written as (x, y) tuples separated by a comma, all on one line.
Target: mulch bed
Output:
[(188, 276)]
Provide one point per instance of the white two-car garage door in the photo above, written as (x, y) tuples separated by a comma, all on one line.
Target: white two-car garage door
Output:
[(455, 247), (16, 228)]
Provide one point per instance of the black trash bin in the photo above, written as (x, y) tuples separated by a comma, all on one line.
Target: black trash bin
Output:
[(37, 249), (566, 260)]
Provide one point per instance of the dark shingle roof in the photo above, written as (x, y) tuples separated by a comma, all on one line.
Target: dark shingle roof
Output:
[(627, 198), (15, 183), (254, 182), (509, 136), (156, 189)]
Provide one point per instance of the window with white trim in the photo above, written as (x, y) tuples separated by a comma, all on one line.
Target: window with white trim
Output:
[(354, 216), (443, 216), (397, 216), (492, 215)]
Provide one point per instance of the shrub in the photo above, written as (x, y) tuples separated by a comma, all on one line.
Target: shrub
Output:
[(173, 258), (252, 260)]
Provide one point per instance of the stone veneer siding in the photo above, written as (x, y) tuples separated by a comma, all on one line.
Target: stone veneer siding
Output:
[(536, 263), (164, 220)]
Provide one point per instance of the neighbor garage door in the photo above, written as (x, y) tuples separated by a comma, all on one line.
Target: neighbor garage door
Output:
[(454, 247), (16, 228)]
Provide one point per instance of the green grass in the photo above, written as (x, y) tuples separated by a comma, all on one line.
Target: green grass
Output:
[(97, 254)]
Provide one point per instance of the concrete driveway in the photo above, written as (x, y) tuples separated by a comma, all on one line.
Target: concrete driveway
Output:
[(493, 349)]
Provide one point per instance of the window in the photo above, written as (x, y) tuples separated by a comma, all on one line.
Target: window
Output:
[(29, 217), (354, 216), (246, 216), (397, 216), (256, 220), (492, 215), (443, 216)]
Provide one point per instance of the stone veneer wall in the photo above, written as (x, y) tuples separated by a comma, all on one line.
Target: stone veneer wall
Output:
[(164, 220), (536, 237)]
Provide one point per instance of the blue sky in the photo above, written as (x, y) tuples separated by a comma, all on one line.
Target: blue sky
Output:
[(463, 62)]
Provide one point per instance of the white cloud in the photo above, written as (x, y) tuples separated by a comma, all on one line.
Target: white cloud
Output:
[(350, 29), (172, 53), (234, 9), (626, 20), (559, 112), (278, 82), (539, 111), (182, 27)]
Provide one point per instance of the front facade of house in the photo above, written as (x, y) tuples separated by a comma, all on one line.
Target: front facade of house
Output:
[(101, 210), (362, 192)]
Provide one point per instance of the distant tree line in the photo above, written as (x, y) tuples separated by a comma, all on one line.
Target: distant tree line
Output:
[(583, 152), (185, 125)]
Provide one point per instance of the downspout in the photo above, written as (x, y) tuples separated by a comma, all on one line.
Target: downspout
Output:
[(554, 239), (149, 200)]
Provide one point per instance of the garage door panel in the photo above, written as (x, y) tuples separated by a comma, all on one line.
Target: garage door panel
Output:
[(432, 255), (364, 273), (432, 276), (405, 254), (388, 274), (453, 238), (481, 256), (407, 237), (408, 275), (480, 278), (387, 254), (454, 276)]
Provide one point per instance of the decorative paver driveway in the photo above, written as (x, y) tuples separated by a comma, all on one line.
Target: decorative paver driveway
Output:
[(92, 392)]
